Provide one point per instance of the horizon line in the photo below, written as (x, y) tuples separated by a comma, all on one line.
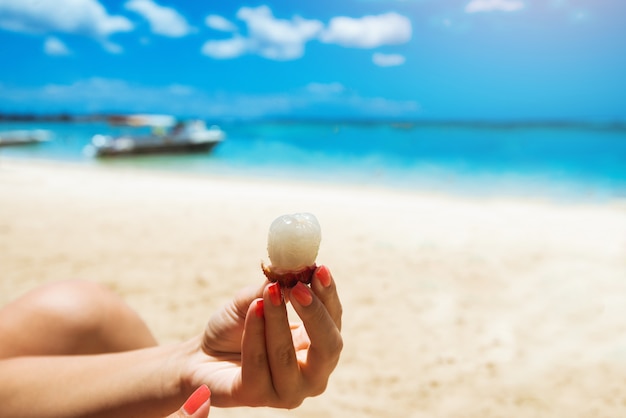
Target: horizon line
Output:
[(69, 117)]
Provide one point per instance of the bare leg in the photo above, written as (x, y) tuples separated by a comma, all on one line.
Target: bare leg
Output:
[(70, 317)]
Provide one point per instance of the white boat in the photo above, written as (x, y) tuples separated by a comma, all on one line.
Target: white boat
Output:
[(24, 137), (142, 120), (189, 137)]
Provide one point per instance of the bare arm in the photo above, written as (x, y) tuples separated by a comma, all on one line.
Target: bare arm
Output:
[(249, 355), (134, 383)]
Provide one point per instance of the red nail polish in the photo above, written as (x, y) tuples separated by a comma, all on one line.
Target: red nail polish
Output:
[(197, 399), (323, 274), (302, 294), (259, 308), (275, 295)]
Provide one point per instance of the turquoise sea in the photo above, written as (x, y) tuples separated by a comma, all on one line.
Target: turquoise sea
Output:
[(557, 160)]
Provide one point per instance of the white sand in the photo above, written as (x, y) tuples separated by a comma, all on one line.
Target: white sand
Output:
[(454, 307)]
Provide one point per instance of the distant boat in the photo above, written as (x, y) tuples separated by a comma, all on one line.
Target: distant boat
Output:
[(24, 137), (142, 120), (189, 137)]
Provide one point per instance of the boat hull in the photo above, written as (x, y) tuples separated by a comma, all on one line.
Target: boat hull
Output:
[(156, 148), (24, 137)]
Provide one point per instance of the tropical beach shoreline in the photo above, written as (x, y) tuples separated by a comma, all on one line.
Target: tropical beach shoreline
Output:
[(454, 305)]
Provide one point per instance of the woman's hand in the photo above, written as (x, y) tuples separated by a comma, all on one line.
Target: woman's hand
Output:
[(251, 356)]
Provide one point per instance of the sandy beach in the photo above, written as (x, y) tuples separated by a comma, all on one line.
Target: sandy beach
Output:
[(454, 306)]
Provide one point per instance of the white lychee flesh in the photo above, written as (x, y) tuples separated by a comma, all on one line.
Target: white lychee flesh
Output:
[(293, 242)]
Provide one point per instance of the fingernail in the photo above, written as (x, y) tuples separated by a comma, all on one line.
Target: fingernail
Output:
[(275, 294), (302, 294), (323, 274), (197, 399), (259, 308)]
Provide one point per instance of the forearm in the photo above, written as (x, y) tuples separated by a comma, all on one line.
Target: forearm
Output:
[(142, 383)]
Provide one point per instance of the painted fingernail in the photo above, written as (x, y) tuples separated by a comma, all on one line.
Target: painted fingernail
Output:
[(197, 399), (275, 294), (259, 308), (323, 274), (302, 294)]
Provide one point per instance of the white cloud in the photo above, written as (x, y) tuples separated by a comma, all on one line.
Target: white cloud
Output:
[(101, 95), (226, 49), (476, 6), (180, 90), (368, 31), (95, 88), (54, 46), (220, 23), (105, 95), (277, 39), (313, 96), (325, 88), (282, 39), (112, 48), (388, 60), (337, 96), (83, 17), (381, 106), (163, 20)]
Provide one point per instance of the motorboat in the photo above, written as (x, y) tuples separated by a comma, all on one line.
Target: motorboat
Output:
[(141, 120), (24, 137), (183, 137)]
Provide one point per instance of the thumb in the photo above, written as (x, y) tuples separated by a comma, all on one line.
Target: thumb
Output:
[(196, 406)]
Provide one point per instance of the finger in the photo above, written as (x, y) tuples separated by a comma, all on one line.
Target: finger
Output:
[(197, 405), (244, 298), (324, 335), (221, 323), (323, 285), (281, 353), (257, 387)]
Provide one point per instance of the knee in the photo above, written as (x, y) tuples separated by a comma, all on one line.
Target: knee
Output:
[(76, 307), (71, 317)]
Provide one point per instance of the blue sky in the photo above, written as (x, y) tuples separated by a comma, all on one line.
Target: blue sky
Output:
[(427, 59)]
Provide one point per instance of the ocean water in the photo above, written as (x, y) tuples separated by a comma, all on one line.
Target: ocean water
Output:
[(562, 161)]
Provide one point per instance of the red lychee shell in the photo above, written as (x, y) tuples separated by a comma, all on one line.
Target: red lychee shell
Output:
[(291, 278)]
